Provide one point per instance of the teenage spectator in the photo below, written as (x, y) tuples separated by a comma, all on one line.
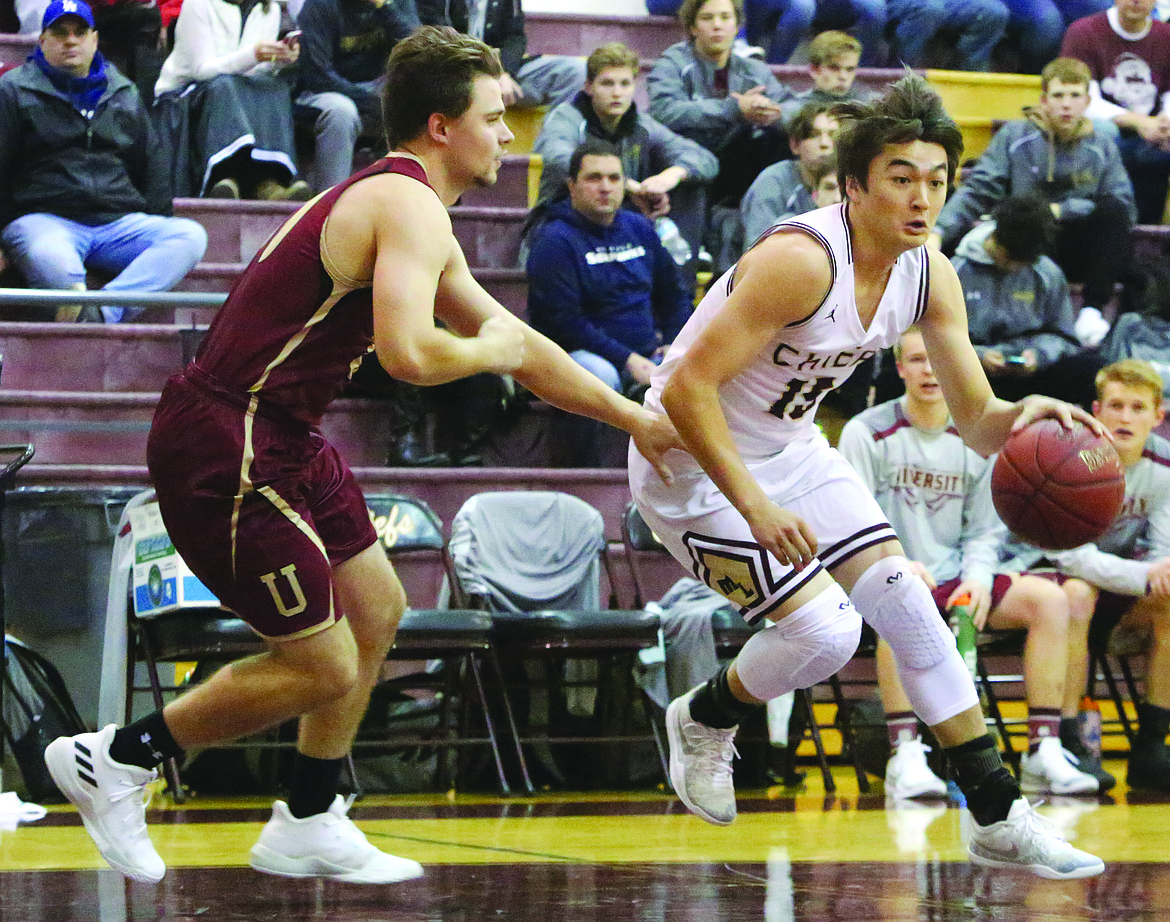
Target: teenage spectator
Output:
[(833, 58), (665, 172), (1055, 152), (529, 80), (936, 493), (1019, 313), (729, 104), (826, 185), (1128, 55), (1128, 568), (81, 180), (786, 188), (222, 88), (979, 25), (600, 283), (344, 50)]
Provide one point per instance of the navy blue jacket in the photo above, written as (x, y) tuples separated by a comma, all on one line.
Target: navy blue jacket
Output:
[(609, 290)]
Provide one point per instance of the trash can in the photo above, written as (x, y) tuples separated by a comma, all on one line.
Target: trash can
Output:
[(57, 544)]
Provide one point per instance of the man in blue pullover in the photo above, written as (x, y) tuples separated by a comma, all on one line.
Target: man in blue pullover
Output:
[(600, 283)]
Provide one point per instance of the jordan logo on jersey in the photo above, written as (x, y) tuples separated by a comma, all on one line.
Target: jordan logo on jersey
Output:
[(832, 315)]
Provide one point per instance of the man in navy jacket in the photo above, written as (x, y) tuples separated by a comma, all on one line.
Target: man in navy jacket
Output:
[(600, 283)]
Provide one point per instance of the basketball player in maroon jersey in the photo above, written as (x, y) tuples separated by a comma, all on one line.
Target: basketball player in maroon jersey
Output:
[(264, 510)]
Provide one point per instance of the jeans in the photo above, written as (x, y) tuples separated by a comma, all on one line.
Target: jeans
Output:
[(143, 252), (551, 79), (340, 121), (599, 367), (980, 23), (1037, 29)]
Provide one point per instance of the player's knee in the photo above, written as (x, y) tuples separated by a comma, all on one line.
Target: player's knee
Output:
[(1044, 606), (803, 648), (896, 602), (325, 665), (1082, 600)]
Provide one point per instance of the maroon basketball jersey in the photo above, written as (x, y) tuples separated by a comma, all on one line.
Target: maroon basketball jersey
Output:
[(289, 332)]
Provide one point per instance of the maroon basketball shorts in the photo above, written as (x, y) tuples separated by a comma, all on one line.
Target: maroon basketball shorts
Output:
[(1000, 584), (259, 505)]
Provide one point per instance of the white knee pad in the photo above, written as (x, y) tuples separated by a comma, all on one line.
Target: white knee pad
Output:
[(802, 649), (901, 609)]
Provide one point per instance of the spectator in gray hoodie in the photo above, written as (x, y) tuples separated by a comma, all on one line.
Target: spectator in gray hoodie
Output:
[(665, 172), (1054, 152)]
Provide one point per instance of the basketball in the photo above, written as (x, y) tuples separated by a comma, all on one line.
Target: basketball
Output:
[(1057, 488)]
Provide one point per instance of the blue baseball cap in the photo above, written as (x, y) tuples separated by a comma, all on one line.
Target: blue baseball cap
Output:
[(59, 8)]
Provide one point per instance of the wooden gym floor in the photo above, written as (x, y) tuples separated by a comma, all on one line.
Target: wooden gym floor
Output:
[(792, 855)]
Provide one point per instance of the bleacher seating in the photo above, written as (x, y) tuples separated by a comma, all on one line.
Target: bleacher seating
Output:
[(15, 48), (578, 34)]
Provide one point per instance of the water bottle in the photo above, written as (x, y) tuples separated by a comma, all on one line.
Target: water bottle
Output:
[(673, 241), (1089, 725), (963, 625)]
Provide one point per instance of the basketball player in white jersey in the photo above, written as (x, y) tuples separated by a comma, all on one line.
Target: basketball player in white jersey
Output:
[(765, 512)]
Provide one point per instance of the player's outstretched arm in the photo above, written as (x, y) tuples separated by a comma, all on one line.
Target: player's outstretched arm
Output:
[(983, 420), (778, 282)]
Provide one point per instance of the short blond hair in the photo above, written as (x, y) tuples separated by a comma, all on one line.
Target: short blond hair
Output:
[(830, 45), (611, 54), (1066, 70), (913, 328), (1135, 373)]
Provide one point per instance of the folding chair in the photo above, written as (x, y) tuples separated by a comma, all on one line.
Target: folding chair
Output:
[(458, 639), (1124, 647), (993, 644), (533, 559), (731, 633)]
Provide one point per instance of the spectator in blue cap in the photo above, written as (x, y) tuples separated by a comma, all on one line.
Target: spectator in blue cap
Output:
[(80, 187)]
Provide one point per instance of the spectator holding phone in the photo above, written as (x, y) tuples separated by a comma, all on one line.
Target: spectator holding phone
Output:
[(1019, 313), (223, 100)]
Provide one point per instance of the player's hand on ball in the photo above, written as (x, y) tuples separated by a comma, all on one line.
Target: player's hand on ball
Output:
[(503, 342), (784, 535), (1038, 407)]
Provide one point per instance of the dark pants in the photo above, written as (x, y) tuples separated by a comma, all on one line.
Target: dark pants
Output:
[(1095, 250), (742, 158), (1149, 170)]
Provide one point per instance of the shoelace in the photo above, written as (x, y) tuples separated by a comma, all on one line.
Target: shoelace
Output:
[(126, 790), (1034, 822), (716, 750)]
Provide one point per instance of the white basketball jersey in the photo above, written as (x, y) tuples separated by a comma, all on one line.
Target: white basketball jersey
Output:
[(774, 400)]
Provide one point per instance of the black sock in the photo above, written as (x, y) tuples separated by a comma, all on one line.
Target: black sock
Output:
[(1153, 724), (989, 787), (314, 785), (715, 706), (145, 743), (1070, 732)]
